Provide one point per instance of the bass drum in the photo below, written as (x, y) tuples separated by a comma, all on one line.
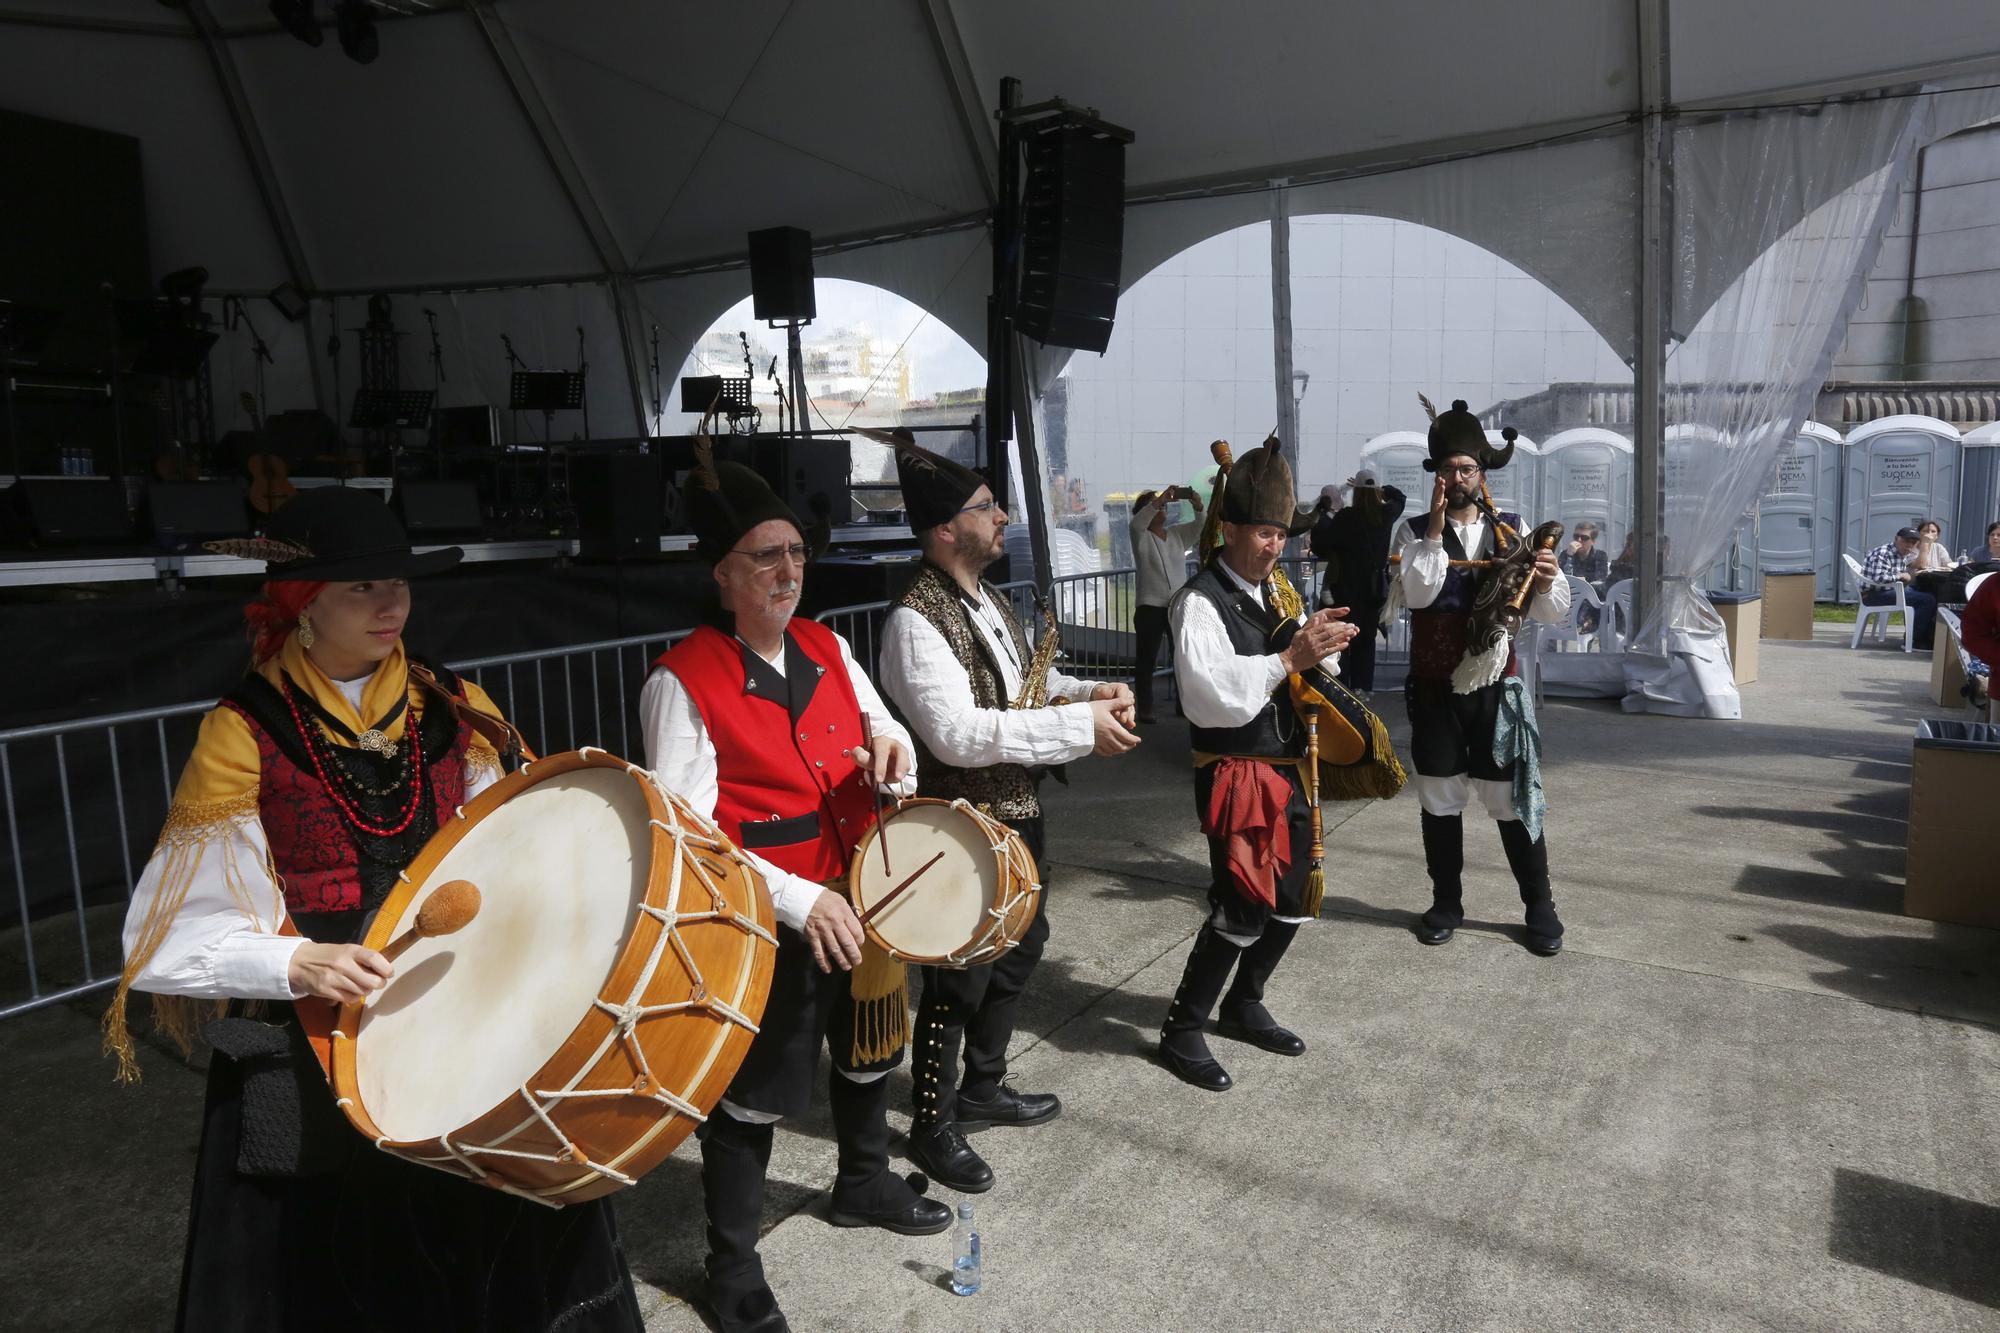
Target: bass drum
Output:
[(591, 1013)]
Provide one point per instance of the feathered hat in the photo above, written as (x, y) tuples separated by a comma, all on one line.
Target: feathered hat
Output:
[(1457, 433), (337, 534), (726, 500), (934, 487), (1261, 490)]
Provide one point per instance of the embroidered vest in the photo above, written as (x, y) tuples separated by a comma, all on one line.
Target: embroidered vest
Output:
[(1004, 791), (323, 863), (786, 786), (1276, 729), (1438, 631)]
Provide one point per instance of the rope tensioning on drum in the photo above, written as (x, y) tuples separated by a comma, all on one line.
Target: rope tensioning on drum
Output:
[(1004, 849)]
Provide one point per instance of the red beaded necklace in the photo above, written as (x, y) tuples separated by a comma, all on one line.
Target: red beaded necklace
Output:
[(347, 808)]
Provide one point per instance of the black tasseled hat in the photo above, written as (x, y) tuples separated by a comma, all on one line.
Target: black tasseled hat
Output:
[(726, 500), (934, 487), (1457, 433)]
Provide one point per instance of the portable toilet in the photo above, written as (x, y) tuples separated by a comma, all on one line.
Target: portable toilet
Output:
[(1516, 488), (1587, 474), (1978, 492), (1799, 514), (1695, 455), (1397, 459), (1900, 471)]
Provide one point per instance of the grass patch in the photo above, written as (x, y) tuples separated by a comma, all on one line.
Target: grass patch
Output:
[(1832, 613)]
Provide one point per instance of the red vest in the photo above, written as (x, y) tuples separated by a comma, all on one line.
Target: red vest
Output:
[(786, 788)]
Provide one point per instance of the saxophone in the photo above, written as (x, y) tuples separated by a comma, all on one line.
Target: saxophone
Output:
[(1035, 680)]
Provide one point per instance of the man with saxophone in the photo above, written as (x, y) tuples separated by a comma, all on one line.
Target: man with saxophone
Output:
[(988, 717), (1472, 730), (764, 722), (1250, 751)]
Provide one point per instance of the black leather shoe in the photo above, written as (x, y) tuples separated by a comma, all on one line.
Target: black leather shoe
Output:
[(1548, 946), (1275, 1039), (911, 1215), (950, 1160), (1008, 1107), (747, 1312), (1433, 934), (1207, 1075)]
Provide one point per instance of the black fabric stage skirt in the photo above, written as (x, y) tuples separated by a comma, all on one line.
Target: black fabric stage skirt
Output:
[(373, 1242)]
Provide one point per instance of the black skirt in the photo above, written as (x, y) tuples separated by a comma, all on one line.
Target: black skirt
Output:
[(369, 1241)]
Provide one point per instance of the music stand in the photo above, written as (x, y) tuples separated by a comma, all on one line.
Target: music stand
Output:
[(391, 409)]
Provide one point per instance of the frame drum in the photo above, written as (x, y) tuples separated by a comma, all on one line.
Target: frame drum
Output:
[(958, 888), (569, 1037)]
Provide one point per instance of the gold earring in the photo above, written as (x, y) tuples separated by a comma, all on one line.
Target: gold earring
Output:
[(305, 631)]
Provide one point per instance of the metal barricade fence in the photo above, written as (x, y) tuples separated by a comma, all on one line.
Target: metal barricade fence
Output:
[(85, 799)]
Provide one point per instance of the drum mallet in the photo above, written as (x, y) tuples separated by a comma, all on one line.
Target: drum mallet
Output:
[(450, 906), (897, 892)]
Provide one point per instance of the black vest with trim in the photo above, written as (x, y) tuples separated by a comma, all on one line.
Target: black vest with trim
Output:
[(1276, 730)]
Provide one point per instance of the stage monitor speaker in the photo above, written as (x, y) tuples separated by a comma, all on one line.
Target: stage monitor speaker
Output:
[(55, 512), (181, 513), (467, 427), (440, 512), (1072, 236), (620, 504), (781, 273)]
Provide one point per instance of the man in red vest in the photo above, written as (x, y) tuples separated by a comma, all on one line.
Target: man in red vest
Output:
[(764, 723)]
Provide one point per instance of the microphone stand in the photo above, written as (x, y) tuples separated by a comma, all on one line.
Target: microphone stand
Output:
[(260, 351), (437, 379), (583, 375), (658, 410)]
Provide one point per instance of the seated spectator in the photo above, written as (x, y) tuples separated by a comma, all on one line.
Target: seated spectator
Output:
[(1626, 566), (1581, 559), (1979, 627), (1888, 565), (1931, 552)]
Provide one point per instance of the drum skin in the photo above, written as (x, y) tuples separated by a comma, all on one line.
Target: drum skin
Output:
[(590, 1119), (946, 917)]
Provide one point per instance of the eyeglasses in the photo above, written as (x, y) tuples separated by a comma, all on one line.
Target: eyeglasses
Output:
[(768, 557), (983, 507), (1465, 473)]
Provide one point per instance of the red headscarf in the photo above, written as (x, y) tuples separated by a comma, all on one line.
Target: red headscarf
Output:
[(272, 616)]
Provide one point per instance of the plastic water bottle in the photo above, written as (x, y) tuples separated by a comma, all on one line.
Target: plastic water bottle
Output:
[(965, 1253)]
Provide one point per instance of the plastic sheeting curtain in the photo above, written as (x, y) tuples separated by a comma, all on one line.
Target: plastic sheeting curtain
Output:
[(1805, 195)]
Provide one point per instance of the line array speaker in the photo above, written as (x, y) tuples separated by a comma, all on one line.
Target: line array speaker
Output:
[(1072, 236), (781, 273)]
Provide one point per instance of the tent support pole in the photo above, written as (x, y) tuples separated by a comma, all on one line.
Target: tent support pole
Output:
[(956, 69), (1650, 345), (1000, 304), (610, 255), (1281, 329)]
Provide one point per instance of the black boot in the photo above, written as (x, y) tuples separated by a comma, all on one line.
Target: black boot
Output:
[(936, 1142), (865, 1192), (1243, 1015), (1182, 1046), (734, 1157), (1529, 860), (1444, 858)]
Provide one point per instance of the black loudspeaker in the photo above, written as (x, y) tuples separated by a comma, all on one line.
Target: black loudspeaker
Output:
[(781, 273), (440, 512), (53, 512), (620, 504), (1072, 236), (183, 512)]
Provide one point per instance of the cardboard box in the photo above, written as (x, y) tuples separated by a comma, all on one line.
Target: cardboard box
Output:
[(1742, 622), (1788, 604), (1947, 672), (1950, 871)]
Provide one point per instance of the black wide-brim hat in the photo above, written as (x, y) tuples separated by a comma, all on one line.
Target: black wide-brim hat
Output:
[(339, 534)]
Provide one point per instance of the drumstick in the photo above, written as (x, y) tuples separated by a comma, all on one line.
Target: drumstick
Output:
[(881, 823), (892, 894), (454, 903)]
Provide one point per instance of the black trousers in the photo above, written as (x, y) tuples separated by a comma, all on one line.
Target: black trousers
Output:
[(1452, 733), (1149, 626), (986, 1000), (806, 1008), (1357, 660), (1229, 912)]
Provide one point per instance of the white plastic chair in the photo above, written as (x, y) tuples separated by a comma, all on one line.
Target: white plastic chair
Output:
[(1878, 616), (1528, 642), (1614, 627)]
